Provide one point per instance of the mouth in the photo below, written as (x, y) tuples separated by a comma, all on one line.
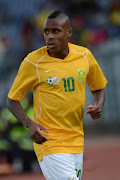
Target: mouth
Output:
[(50, 45)]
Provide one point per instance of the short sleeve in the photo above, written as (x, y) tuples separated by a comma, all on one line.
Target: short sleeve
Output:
[(95, 78), (25, 80)]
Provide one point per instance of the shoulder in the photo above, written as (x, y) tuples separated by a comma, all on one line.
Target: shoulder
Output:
[(84, 52), (36, 55), (79, 49)]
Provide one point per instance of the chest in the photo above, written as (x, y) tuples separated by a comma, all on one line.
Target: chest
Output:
[(63, 74)]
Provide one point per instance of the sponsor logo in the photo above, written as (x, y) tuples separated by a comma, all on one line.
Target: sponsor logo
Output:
[(46, 71), (52, 80)]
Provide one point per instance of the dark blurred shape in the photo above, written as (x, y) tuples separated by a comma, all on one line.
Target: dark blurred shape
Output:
[(26, 33), (4, 54)]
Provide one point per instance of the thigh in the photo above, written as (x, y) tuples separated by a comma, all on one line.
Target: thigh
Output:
[(59, 166), (78, 164)]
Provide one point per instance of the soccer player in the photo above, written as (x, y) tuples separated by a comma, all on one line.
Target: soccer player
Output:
[(57, 74)]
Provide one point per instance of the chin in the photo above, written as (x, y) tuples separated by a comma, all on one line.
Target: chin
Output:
[(54, 50)]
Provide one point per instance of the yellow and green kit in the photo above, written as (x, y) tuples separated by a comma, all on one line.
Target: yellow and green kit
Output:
[(58, 95)]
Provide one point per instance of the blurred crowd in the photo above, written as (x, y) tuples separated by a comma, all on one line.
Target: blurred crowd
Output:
[(21, 31)]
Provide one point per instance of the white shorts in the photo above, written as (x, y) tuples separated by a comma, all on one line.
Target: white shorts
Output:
[(62, 166)]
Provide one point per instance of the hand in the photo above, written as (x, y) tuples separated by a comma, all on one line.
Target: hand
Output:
[(94, 111), (35, 133)]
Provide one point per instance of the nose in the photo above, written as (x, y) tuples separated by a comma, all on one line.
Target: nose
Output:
[(50, 36)]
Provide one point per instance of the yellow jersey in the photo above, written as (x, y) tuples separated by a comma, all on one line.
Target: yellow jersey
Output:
[(58, 95)]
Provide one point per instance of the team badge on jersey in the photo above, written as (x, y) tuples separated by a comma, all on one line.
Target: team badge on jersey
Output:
[(52, 80), (81, 74)]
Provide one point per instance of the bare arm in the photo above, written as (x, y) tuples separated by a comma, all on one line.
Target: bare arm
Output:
[(35, 129), (96, 109)]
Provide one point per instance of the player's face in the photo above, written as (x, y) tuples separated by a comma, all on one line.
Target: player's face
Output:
[(56, 35)]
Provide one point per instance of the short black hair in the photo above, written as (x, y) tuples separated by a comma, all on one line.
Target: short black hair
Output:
[(59, 14), (55, 14)]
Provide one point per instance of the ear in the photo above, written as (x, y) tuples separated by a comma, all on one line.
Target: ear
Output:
[(69, 32)]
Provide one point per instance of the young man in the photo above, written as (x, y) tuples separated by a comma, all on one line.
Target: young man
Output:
[(57, 74)]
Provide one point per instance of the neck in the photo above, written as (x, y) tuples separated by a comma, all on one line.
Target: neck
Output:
[(60, 55)]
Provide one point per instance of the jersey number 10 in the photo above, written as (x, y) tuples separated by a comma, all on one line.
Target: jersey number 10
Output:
[(69, 84)]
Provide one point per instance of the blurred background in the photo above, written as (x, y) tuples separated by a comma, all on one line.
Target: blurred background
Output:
[(96, 25)]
